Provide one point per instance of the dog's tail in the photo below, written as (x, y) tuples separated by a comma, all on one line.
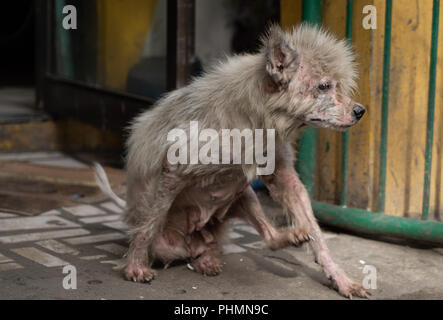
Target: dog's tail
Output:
[(103, 183)]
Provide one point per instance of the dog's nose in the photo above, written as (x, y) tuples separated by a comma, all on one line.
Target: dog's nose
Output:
[(358, 111)]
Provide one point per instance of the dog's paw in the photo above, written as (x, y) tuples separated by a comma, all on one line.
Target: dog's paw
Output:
[(298, 236), (289, 237), (208, 265), (139, 272), (349, 288)]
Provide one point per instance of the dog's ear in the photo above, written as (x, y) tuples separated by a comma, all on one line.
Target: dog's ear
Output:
[(281, 60)]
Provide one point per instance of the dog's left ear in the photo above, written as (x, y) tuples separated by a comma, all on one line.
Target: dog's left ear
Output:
[(281, 60)]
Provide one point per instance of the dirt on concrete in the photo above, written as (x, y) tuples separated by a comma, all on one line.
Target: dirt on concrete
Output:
[(30, 189)]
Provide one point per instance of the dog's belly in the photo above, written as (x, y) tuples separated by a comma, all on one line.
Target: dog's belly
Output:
[(196, 216), (202, 203)]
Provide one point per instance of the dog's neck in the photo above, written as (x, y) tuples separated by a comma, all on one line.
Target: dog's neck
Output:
[(249, 99), (265, 110)]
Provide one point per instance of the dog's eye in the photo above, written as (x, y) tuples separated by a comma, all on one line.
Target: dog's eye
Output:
[(324, 86)]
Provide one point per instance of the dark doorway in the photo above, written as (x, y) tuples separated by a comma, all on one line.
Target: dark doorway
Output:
[(17, 60)]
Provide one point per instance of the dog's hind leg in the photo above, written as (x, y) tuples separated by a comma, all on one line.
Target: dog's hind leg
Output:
[(208, 262), (147, 213)]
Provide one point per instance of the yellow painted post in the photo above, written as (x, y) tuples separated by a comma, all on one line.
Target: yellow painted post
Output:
[(364, 138), (122, 30), (290, 12), (411, 34)]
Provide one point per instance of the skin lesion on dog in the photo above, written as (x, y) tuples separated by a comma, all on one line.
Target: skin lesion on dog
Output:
[(304, 76)]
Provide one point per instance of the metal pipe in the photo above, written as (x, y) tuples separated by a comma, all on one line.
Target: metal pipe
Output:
[(385, 107), (380, 224), (311, 12), (345, 135), (185, 40), (64, 61), (171, 45), (431, 109), (181, 42)]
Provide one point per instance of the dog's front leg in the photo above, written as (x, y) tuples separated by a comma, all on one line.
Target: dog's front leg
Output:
[(248, 208), (286, 187)]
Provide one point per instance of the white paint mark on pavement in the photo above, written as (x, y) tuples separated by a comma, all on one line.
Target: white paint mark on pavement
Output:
[(10, 266), (85, 210), (96, 257), (119, 225), (100, 219), (40, 257), (111, 206), (256, 245), (232, 248), (43, 235), (234, 235), (113, 248), (57, 247), (4, 259), (237, 221), (95, 238), (118, 263), (246, 228), (29, 223)]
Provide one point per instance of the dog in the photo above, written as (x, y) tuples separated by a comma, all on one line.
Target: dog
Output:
[(176, 211)]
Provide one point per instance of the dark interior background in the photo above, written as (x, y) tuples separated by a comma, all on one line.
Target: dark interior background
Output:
[(17, 43)]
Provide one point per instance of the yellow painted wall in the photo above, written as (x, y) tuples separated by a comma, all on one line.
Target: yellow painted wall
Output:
[(410, 48), (122, 29), (290, 12)]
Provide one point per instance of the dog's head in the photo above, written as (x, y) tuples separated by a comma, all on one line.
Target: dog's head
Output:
[(311, 77)]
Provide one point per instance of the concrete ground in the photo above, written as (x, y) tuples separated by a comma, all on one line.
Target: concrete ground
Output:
[(35, 250)]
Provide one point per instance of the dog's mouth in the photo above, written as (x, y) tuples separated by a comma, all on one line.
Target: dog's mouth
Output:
[(340, 127), (320, 123)]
